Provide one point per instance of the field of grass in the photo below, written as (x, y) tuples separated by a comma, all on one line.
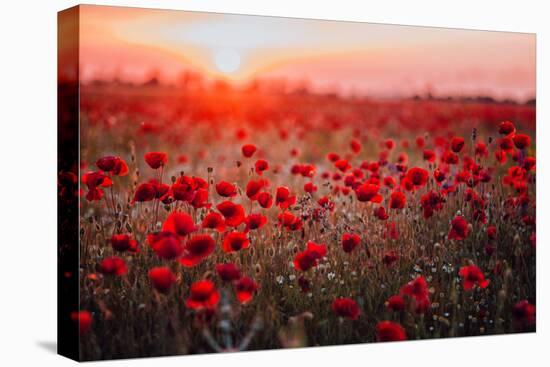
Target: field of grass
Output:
[(347, 220)]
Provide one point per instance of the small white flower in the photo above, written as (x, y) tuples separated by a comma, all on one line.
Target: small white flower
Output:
[(292, 277)]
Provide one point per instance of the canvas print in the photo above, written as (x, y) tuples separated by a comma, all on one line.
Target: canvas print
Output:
[(232, 183)]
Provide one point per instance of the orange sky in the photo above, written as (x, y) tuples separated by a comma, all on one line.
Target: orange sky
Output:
[(373, 59)]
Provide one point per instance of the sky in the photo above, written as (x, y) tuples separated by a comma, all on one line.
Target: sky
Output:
[(343, 57)]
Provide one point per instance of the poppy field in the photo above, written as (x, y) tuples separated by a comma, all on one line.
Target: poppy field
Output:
[(233, 219)]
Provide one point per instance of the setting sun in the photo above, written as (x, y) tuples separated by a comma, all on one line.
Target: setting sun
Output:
[(227, 60)]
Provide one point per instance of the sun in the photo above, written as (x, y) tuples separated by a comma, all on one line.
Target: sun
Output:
[(227, 60)]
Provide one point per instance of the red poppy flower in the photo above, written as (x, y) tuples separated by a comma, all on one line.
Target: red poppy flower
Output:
[(333, 157), (254, 187), (345, 190), (522, 141), (481, 149), (402, 159), (283, 198), (326, 203), (166, 245), (265, 199), (115, 165), (260, 166), (506, 144), (506, 128), (225, 189), (245, 287), (459, 229), (380, 213), (179, 223), (113, 266), (305, 260), (289, 221), (96, 179), (255, 221), (389, 258), (215, 221), (368, 192), (309, 187), (397, 200), (144, 192), (83, 320), (162, 278), (355, 146), (346, 307), (203, 295), (235, 241), (160, 188), (305, 170), (373, 166), (241, 134), (228, 272), (233, 213), (320, 250), (439, 175), (457, 143), (197, 248), (343, 165), (449, 157), (389, 181), (524, 313), (156, 160), (182, 159), (358, 173), (124, 242), (472, 275), (390, 144), (200, 200), (529, 163), (396, 303), (417, 290), (248, 150), (183, 191), (389, 331), (350, 241), (417, 176), (429, 155), (430, 202)]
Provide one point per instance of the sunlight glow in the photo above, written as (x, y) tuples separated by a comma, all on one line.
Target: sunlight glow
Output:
[(227, 60)]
